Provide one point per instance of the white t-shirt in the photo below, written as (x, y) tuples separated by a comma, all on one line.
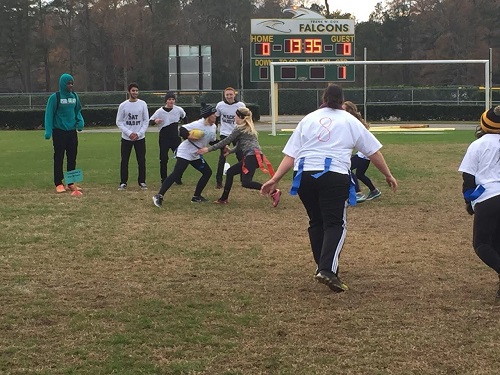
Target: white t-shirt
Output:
[(186, 149), (133, 117), (360, 155), (482, 160), (329, 133), (227, 113), (171, 117)]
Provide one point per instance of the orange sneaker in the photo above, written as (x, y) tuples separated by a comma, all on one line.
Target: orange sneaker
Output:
[(221, 201), (73, 187), (60, 188), (276, 197)]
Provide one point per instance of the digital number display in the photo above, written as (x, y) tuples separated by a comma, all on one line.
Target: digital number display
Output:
[(299, 46), (343, 49), (262, 49), (342, 72)]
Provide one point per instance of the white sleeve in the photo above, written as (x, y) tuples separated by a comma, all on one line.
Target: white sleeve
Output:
[(217, 109), (120, 120), (183, 113), (144, 121), (365, 141), (469, 163), (293, 145), (155, 115)]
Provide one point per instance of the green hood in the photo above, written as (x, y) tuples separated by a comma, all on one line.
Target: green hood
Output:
[(63, 81)]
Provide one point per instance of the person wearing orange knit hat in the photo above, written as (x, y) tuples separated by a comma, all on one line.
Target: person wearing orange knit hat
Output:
[(480, 169)]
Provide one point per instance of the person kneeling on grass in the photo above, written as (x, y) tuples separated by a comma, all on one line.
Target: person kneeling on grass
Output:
[(197, 134), (245, 137)]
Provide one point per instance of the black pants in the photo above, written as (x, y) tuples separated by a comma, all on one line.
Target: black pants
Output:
[(324, 199), (166, 142), (140, 155), (222, 161), (64, 142), (486, 232), (180, 166), (251, 165), (361, 165)]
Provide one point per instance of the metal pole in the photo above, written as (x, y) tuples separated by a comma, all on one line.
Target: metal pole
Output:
[(487, 88), (241, 75), (273, 102), (365, 54), (491, 78)]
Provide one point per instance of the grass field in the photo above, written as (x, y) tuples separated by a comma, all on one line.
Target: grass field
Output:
[(107, 283)]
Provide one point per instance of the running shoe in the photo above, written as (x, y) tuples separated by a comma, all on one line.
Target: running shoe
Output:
[(360, 197), (276, 197), (60, 188), (73, 187), (332, 281), (373, 194), (221, 201), (158, 200), (199, 199)]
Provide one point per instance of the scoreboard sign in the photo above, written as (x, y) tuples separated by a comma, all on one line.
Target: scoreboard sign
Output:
[(302, 40)]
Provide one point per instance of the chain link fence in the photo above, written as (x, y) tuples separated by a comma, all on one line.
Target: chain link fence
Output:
[(290, 101)]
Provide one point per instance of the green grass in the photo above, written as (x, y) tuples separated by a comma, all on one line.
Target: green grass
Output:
[(108, 284)]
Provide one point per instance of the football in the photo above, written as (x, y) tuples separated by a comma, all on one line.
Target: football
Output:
[(196, 133)]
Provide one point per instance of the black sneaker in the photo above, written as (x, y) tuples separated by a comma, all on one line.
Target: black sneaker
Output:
[(178, 182), (199, 199), (331, 280), (219, 185), (158, 200)]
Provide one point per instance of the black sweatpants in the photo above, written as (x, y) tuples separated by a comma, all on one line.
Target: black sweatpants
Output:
[(180, 166), (486, 232), (140, 154), (64, 142), (247, 181), (222, 161), (167, 142), (361, 165), (325, 200)]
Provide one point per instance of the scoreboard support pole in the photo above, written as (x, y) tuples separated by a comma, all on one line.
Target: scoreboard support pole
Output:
[(274, 90), (274, 100), (276, 103)]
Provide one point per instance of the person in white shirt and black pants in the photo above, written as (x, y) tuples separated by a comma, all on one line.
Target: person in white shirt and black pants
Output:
[(225, 111), (167, 118), (319, 150), (480, 169), (133, 120), (196, 134)]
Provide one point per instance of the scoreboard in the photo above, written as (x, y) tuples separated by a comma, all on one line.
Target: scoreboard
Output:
[(301, 40)]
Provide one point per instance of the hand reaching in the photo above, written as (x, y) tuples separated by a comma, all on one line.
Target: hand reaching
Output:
[(268, 187)]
